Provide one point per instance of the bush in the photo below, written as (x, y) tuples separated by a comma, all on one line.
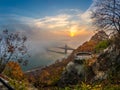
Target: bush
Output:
[(14, 71), (101, 46), (18, 85)]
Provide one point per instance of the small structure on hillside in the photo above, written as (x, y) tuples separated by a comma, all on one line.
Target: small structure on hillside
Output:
[(82, 56)]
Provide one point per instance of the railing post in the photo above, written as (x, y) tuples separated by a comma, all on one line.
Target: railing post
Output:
[(6, 85)]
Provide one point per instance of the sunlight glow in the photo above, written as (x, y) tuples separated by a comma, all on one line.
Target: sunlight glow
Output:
[(72, 33)]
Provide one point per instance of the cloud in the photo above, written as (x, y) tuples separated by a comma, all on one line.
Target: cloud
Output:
[(64, 20), (52, 30), (86, 17), (53, 21)]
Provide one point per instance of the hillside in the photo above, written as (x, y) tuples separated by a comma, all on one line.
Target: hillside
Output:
[(89, 46), (51, 74)]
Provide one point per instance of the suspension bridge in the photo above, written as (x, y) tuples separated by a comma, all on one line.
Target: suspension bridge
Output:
[(66, 48)]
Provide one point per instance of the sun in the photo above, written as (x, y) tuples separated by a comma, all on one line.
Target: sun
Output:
[(72, 33)]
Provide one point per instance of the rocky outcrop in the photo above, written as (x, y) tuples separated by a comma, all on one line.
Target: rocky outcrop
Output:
[(107, 63), (74, 72), (68, 71), (78, 72)]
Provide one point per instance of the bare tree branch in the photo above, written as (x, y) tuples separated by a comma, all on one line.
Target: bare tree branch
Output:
[(106, 15), (12, 47)]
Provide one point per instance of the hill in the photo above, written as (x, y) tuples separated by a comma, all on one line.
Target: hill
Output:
[(50, 75)]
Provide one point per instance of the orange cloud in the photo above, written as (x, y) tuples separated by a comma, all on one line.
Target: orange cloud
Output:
[(61, 27)]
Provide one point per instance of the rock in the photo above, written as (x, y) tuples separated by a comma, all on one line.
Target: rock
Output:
[(79, 68), (100, 75), (71, 75), (107, 63), (75, 72), (68, 79)]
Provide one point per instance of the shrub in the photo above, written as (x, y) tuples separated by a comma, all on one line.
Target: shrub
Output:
[(101, 46), (18, 85), (14, 71)]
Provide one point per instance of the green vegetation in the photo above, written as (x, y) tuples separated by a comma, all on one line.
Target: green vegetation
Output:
[(85, 86), (101, 46), (18, 85), (15, 76)]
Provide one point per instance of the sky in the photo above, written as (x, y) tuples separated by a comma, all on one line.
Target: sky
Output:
[(48, 23), (40, 8)]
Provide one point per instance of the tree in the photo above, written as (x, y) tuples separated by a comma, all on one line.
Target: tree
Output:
[(14, 71), (12, 47), (106, 15)]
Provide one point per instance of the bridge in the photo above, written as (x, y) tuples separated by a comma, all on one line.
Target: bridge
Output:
[(65, 48)]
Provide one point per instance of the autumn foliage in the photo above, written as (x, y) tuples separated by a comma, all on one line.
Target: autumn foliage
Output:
[(14, 71)]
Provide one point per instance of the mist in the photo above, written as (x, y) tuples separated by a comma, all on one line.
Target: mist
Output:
[(50, 32)]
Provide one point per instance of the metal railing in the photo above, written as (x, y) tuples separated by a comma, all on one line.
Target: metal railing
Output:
[(6, 85)]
